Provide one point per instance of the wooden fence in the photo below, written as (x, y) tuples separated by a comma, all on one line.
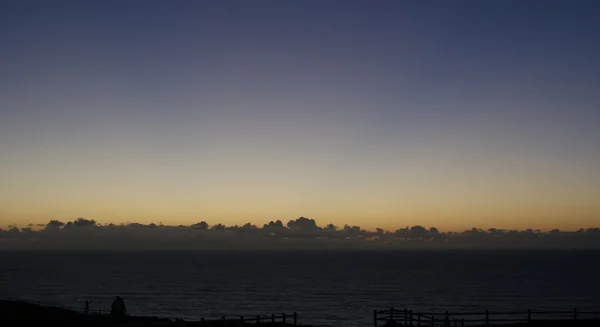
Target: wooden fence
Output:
[(460, 319), (273, 318)]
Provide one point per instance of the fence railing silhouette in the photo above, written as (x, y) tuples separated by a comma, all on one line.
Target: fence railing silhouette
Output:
[(272, 318), (486, 318)]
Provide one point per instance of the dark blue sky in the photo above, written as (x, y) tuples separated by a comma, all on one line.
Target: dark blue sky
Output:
[(399, 110)]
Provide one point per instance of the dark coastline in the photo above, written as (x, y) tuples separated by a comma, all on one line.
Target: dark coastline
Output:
[(20, 313)]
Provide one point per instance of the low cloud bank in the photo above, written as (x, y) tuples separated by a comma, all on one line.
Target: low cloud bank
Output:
[(301, 233)]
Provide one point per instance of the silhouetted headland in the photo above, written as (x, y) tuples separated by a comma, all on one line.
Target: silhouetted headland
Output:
[(21, 313)]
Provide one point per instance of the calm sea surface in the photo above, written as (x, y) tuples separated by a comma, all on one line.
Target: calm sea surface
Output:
[(325, 288)]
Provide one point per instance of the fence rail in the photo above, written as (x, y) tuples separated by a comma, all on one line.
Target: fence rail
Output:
[(449, 319), (273, 318)]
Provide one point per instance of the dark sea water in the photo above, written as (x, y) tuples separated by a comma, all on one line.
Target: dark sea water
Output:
[(325, 288)]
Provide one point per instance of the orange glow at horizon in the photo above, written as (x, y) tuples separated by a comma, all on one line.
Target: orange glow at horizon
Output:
[(445, 220)]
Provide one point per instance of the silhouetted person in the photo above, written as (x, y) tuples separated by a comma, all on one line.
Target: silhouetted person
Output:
[(87, 307), (118, 307)]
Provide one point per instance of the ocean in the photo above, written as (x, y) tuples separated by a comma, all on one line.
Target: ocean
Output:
[(332, 288)]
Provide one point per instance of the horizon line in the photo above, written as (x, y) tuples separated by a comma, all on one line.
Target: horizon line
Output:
[(40, 226)]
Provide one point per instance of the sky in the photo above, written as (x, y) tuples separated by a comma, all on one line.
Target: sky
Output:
[(451, 114)]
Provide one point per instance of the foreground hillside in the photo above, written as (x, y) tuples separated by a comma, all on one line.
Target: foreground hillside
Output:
[(21, 313)]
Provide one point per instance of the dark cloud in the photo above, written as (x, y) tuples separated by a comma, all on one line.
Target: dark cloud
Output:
[(301, 233)]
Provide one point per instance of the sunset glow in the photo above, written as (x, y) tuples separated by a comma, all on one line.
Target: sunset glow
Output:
[(357, 114)]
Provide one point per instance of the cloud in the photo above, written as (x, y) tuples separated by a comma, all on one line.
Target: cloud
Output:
[(301, 233)]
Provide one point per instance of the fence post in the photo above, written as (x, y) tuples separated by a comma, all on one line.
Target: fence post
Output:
[(575, 314), (273, 318), (529, 315), (295, 318), (410, 318), (462, 322), (405, 317), (432, 320), (374, 318), (257, 319), (447, 319), (283, 317), (418, 319), (487, 317), (242, 319), (391, 313)]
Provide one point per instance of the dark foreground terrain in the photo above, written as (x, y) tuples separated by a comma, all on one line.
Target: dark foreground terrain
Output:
[(21, 313)]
